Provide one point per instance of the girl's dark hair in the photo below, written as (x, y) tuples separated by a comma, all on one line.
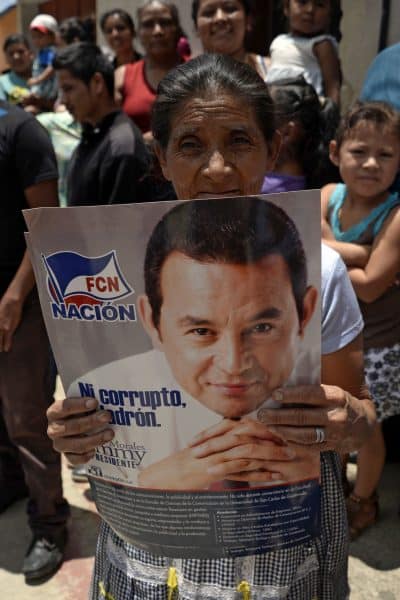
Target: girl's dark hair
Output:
[(120, 13), (196, 7), (77, 30), (296, 100), (16, 38), (336, 17), (381, 114), (205, 76)]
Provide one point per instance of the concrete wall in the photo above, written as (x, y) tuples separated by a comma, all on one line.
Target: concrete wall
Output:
[(359, 45)]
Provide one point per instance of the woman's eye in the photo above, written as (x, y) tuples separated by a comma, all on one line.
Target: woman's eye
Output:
[(189, 144), (230, 8), (240, 139)]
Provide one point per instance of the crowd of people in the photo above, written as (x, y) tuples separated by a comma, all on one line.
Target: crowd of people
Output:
[(87, 125)]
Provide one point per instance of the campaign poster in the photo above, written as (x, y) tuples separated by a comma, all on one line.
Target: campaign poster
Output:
[(182, 318)]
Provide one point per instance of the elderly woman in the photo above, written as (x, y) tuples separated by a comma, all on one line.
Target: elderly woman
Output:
[(136, 84), (213, 126), (222, 26)]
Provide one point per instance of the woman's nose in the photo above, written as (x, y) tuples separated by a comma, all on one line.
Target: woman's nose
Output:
[(217, 167), (220, 15)]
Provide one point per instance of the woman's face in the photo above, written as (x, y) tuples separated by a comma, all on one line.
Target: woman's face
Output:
[(157, 30), (222, 25), (216, 148), (118, 34)]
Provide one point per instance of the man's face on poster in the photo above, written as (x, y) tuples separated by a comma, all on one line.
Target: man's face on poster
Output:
[(230, 333)]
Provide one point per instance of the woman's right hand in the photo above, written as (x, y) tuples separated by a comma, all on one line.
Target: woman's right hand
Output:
[(77, 427)]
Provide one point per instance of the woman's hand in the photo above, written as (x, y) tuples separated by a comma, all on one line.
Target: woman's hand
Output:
[(321, 418), (77, 428), (235, 450)]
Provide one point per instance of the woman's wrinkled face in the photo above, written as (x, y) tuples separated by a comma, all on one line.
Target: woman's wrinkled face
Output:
[(216, 148), (158, 31), (222, 25), (118, 34)]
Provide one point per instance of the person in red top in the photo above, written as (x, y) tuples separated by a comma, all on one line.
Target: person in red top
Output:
[(136, 83)]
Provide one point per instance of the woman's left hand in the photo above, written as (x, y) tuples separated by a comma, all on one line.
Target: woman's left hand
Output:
[(322, 418)]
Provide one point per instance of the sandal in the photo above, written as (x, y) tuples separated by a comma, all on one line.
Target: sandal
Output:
[(361, 513)]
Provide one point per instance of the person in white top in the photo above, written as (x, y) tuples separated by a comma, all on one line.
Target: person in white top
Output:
[(308, 49)]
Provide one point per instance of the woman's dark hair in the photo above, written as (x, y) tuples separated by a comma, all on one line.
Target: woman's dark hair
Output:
[(205, 76), (240, 231), (83, 60), (121, 14), (196, 7), (381, 114), (296, 100), (76, 30), (16, 38)]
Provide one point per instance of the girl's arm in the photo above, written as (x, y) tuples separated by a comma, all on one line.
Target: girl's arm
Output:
[(383, 265), (326, 230), (353, 255), (329, 64), (44, 76), (119, 77)]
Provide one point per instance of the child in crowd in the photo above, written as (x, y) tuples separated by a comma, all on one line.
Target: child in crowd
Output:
[(43, 82), (309, 49), (361, 220), (301, 122), (14, 83)]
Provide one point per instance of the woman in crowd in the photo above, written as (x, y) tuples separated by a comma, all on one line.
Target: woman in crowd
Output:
[(222, 26), (136, 84), (214, 130), (119, 30)]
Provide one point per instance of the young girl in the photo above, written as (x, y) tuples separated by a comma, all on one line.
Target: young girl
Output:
[(309, 49), (303, 159), (361, 220)]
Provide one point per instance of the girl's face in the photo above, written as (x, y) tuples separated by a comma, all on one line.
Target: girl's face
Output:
[(308, 17), (222, 26), (368, 159), (117, 33), (217, 149), (158, 31)]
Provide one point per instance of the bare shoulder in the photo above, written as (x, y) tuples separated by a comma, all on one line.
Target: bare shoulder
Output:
[(326, 193), (324, 47)]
